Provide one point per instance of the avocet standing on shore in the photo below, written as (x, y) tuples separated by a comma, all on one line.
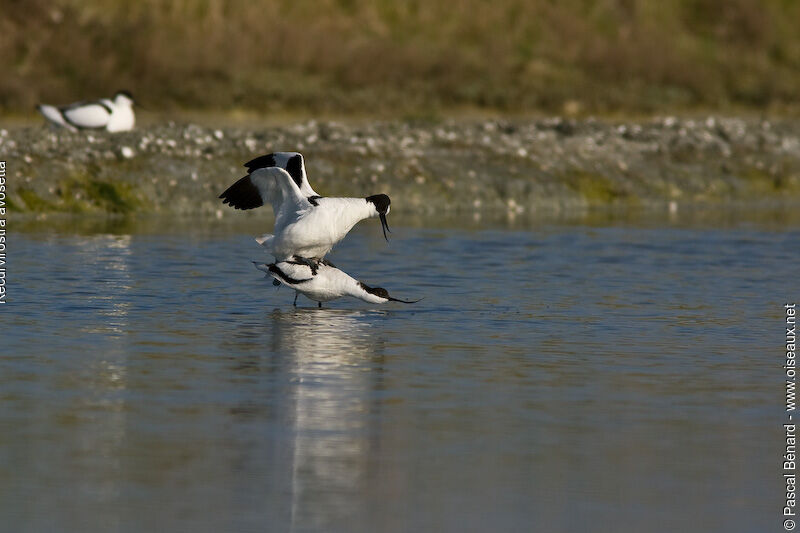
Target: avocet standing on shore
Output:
[(307, 225), (115, 114)]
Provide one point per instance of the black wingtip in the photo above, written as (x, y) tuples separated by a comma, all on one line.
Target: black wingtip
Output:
[(242, 195), (262, 161)]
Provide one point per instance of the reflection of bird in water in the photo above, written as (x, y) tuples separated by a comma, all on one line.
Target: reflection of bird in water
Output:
[(333, 336), (330, 408), (114, 114), (324, 282)]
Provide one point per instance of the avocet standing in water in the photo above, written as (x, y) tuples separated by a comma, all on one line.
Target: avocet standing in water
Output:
[(115, 114), (307, 225), (324, 283)]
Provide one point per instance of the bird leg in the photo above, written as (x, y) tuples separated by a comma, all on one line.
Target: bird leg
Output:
[(295, 298), (319, 304), (313, 264)]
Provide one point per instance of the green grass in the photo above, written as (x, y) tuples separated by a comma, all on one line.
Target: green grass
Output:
[(410, 57)]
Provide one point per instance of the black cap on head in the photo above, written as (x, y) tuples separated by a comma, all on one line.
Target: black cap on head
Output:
[(124, 93), (376, 291), (381, 202), (380, 292)]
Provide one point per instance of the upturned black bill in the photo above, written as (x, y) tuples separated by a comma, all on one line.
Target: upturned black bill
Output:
[(385, 226)]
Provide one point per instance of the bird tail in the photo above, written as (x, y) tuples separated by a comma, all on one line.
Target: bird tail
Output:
[(261, 266), (266, 240), (52, 114)]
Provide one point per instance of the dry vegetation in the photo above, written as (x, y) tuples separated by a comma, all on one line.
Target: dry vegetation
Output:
[(410, 56)]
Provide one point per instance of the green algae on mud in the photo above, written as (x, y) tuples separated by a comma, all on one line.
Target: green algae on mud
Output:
[(450, 165), (92, 194), (596, 189), (80, 193)]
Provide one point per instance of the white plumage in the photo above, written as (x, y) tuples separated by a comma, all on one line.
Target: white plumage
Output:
[(306, 224), (324, 283), (110, 114)]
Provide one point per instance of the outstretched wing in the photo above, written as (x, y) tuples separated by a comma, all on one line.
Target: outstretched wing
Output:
[(291, 162), (271, 185), (87, 115)]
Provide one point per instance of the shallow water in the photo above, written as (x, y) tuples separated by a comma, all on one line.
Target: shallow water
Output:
[(604, 374)]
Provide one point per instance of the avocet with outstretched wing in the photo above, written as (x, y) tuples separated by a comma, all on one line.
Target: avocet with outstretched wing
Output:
[(307, 225)]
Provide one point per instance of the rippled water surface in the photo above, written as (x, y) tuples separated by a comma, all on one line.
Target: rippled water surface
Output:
[(592, 374)]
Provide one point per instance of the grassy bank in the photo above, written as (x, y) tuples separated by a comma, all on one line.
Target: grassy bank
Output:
[(413, 57)]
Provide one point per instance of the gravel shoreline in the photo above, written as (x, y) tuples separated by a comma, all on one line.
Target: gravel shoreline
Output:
[(454, 166)]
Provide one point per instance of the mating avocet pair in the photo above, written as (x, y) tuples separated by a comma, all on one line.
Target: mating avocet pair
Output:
[(307, 226), (112, 114)]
